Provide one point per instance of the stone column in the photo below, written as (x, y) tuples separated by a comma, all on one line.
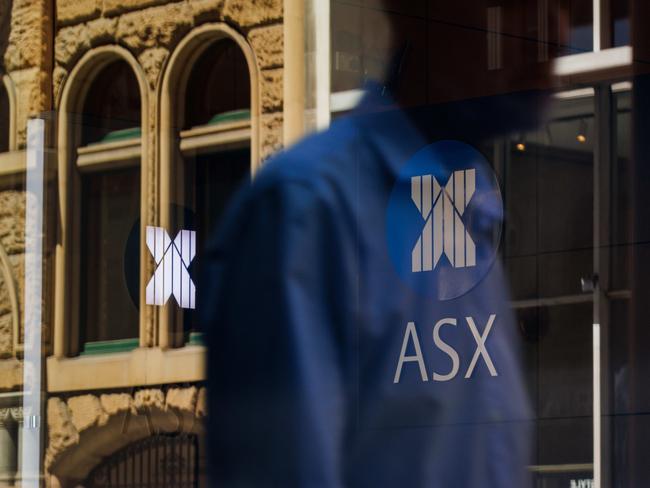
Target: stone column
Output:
[(294, 70)]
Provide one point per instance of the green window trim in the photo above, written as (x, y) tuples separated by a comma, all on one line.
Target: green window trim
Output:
[(195, 339), (231, 116), (120, 135), (109, 347)]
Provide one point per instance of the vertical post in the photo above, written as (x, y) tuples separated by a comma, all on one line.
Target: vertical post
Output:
[(602, 239), (597, 10), (542, 30), (596, 403), (322, 28), (602, 14), (317, 67), (32, 368), (294, 70)]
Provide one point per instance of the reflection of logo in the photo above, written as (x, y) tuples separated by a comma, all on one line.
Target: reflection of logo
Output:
[(443, 221), (442, 209), (173, 259)]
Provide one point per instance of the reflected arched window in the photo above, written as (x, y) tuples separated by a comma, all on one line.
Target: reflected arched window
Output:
[(5, 124), (219, 86), (108, 163), (111, 109), (215, 148)]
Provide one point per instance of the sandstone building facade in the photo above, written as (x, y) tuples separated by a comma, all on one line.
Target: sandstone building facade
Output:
[(91, 68)]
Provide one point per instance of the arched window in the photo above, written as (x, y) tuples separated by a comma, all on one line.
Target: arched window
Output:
[(217, 95), (214, 146), (108, 173), (219, 86), (111, 109)]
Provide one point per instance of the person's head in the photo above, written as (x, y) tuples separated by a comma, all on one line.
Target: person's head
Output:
[(433, 55), (433, 51)]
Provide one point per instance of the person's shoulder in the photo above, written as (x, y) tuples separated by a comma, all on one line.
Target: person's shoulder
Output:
[(313, 176), (318, 162)]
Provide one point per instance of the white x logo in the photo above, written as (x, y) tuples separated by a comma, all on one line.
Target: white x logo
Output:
[(442, 208), (172, 260)]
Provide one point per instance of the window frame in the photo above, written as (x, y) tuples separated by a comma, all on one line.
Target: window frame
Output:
[(75, 159)]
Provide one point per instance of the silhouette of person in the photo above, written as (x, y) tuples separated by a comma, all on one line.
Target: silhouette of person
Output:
[(333, 359)]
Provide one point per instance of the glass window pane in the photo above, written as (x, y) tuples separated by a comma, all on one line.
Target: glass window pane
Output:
[(620, 24), (110, 216), (549, 177), (581, 21)]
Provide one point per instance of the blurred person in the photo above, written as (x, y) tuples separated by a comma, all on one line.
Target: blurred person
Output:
[(357, 316)]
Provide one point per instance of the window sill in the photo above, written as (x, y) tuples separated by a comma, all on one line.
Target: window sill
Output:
[(12, 162), (109, 154), (592, 66), (573, 68), (141, 366), (218, 136)]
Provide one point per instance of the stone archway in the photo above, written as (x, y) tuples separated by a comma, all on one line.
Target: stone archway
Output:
[(85, 430)]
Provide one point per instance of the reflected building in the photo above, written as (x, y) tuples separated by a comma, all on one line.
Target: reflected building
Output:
[(157, 111)]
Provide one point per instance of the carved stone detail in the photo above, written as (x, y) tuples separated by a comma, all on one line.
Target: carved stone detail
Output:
[(152, 61), (247, 13), (117, 418)]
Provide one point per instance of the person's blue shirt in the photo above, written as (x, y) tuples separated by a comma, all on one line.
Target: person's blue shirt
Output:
[(306, 317)]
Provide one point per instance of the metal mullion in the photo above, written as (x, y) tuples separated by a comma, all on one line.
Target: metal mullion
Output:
[(601, 266), (602, 24), (597, 10)]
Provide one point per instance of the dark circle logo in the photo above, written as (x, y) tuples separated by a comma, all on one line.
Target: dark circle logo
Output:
[(444, 219)]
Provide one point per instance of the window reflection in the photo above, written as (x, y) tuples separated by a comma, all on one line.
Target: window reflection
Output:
[(547, 250), (110, 209), (581, 22), (215, 150), (112, 106), (109, 175), (620, 14)]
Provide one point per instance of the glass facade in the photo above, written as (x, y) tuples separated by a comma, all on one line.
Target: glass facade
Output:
[(208, 278)]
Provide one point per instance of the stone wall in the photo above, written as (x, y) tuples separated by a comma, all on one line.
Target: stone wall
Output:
[(25, 55), (84, 428), (26, 59), (150, 29), (38, 57), (12, 248)]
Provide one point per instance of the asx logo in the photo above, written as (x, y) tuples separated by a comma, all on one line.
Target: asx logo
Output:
[(444, 219), (173, 259), (411, 338), (442, 209)]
